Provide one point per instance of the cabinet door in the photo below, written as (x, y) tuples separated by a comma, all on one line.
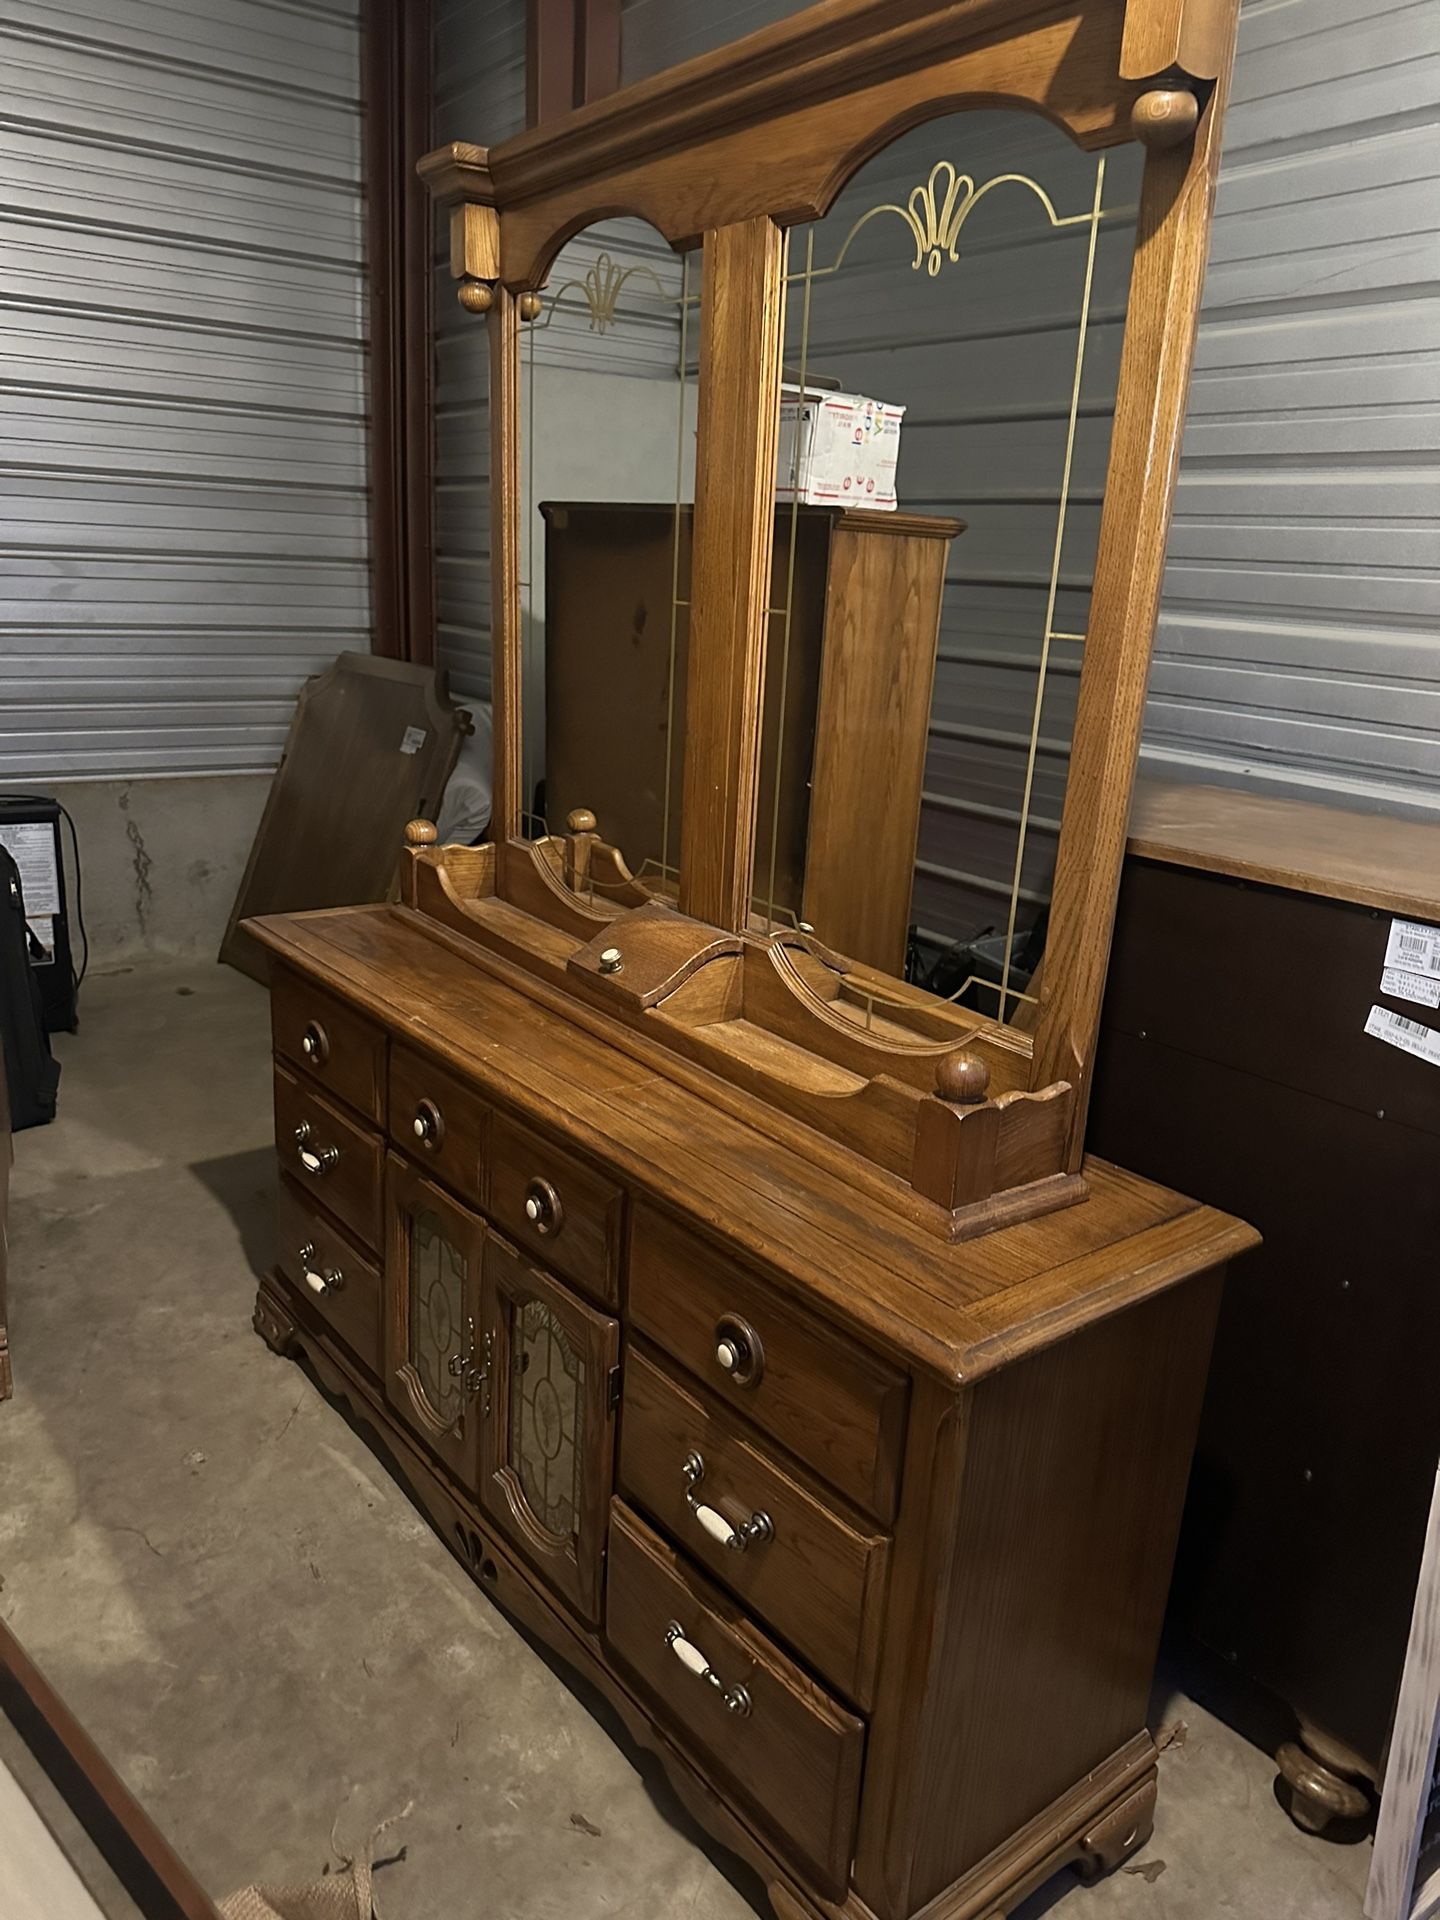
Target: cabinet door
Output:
[(549, 1443), (436, 1373)]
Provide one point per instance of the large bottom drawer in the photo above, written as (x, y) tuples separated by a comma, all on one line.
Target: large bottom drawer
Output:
[(745, 1711), (330, 1274)]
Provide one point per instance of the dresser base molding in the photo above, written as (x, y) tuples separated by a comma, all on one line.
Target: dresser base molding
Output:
[(1103, 1820)]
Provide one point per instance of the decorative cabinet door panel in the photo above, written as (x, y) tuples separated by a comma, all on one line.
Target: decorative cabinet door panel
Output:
[(549, 1443), (436, 1364)]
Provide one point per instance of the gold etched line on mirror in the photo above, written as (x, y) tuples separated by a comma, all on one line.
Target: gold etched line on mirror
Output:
[(783, 612), (676, 603), (1080, 338), (1078, 638)]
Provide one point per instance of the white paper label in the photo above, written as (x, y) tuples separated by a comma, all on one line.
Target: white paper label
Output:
[(1413, 948), (31, 845), (412, 739), (1398, 1031), (1411, 986)]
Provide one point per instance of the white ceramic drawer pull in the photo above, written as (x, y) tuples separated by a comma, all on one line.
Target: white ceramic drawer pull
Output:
[(759, 1527), (328, 1280), (694, 1661), (313, 1159)]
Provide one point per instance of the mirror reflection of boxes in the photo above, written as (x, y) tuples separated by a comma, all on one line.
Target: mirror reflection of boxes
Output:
[(837, 449)]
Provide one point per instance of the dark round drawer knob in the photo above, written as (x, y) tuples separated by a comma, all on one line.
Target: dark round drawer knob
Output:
[(738, 1351), (315, 1044), (542, 1207)]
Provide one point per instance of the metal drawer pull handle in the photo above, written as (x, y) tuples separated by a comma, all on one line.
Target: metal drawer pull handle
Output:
[(316, 1160), (690, 1657), (752, 1532), (328, 1280)]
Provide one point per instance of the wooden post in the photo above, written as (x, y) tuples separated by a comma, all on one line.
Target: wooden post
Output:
[(1170, 251), (506, 625), (741, 329)]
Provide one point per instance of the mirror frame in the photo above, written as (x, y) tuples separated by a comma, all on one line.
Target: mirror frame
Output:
[(731, 149)]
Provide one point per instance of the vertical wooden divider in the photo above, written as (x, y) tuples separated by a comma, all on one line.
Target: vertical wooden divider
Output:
[(1171, 246), (741, 328), (506, 620)]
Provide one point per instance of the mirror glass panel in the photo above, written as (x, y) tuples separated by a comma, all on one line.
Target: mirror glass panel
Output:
[(608, 394), (952, 338)]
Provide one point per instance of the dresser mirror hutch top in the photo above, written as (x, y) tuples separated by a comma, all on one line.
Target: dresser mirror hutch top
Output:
[(726, 1277)]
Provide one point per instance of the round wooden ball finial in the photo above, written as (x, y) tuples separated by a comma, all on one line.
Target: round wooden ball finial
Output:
[(580, 820), (476, 297), (421, 833), (530, 305), (1164, 117), (962, 1079)]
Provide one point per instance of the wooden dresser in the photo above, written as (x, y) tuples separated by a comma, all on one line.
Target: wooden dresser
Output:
[(867, 1535)]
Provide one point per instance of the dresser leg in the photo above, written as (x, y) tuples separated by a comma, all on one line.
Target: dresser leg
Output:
[(1118, 1833), (273, 1320), (1324, 1780)]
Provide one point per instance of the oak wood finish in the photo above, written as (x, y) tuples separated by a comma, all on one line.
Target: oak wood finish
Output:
[(817, 1580), (322, 1039), (339, 1162), (832, 1404), (453, 1436), (330, 1273), (436, 1117), (793, 1753), (741, 335), (506, 619), (571, 1560), (546, 1199)]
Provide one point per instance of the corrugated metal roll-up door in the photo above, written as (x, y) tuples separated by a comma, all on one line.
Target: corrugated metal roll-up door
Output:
[(479, 95), (1299, 643), (183, 479)]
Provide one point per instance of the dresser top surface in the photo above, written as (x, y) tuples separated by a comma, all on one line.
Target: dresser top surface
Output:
[(957, 1310)]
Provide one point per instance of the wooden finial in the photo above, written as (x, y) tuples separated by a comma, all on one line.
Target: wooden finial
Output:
[(475, 296), (961, 1079), (421, 833), (1164, 117), (580, 820), (530, 305)]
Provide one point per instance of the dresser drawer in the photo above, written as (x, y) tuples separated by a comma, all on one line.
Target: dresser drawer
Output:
[(785, 1745), (838, 1408), (330, 1274), (561, 1211), (329, 1043), (439, 1121), (777, 1543), (335, 1160)]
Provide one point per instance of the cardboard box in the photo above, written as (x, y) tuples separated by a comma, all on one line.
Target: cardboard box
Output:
[(837, 449)]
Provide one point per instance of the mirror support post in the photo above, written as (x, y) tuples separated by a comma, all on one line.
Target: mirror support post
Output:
[(506, 629), (741, 334)]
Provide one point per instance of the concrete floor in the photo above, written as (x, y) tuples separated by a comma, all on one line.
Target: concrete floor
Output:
[(265, 1636)]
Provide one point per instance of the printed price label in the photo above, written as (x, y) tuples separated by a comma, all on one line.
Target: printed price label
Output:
[(412, 739), (1396, 1030), (1423, 991), (1413, 948)]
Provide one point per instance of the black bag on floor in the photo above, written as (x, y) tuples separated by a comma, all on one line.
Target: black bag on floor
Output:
[(31, 1075)]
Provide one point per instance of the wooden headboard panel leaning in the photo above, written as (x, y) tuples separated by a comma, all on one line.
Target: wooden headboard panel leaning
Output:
[(957, 1111)]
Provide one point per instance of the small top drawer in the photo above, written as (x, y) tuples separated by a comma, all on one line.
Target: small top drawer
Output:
[(561, 1211), (817, 1578), (440, 1122), (336, 1161), (329, 1042), (835, 1406)]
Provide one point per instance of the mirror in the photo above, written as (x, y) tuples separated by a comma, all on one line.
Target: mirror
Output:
[(608, 396), (952, 340)]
